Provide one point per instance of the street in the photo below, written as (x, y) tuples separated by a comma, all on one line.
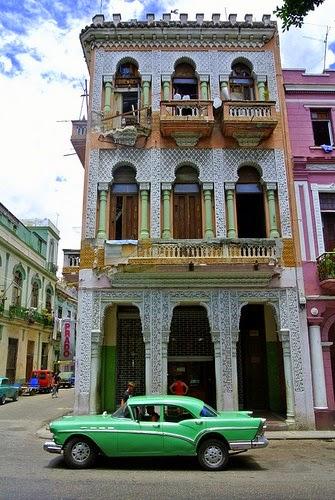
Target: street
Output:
[(286, 469)]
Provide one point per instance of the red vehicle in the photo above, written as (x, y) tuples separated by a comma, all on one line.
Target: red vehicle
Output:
[(45, 379)]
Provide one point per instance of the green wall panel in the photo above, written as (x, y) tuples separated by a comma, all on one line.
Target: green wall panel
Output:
[(108, 378), (273, 376)]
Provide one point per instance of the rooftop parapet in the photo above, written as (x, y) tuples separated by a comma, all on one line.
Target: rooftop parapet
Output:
[(179, 32)]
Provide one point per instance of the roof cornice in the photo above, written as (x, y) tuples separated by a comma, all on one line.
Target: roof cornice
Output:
[(136, 34)]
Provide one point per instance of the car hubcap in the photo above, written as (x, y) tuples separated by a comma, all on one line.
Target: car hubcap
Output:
[(213, 456), (80, 452)]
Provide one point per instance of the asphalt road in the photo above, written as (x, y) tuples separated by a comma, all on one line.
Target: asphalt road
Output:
[(285, 470)]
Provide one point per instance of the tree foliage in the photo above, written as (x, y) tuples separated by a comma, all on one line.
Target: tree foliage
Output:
[(292, 12)]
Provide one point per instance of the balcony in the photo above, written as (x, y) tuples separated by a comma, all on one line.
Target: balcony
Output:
[(52, 268), (223, 251), (186, 121), (30, 315), (248, 122), (78, 138), (126, 128), (326, 269)]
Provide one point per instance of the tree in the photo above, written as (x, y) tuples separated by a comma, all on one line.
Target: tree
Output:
[(292, 12)]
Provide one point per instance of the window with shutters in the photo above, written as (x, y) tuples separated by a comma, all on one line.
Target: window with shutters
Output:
[(124, 205), (187, 213)]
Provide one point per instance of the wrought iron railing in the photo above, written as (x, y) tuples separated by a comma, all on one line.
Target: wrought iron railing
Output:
[(30, 315)]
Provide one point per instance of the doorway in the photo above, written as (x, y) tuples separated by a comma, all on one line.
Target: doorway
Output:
[(11, 359), (30, 358), (261, 382), (191, 352)]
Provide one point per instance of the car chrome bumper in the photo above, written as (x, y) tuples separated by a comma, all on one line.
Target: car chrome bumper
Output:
[(52, 447), (258, 442)]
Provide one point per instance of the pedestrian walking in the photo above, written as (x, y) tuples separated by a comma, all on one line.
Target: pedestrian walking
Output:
[(55, 385), (128, 393)]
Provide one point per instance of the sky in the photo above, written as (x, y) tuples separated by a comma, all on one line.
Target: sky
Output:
[(42, 76)]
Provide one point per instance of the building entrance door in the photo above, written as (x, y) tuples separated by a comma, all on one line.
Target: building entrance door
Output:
[(11, 359), (198, 374), (260, 362), (30, 358), (191, 352)]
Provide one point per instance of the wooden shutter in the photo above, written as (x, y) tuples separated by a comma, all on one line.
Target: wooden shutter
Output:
[(187, 222)]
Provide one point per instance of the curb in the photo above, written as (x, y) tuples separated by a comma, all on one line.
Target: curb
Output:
[(284, 435)]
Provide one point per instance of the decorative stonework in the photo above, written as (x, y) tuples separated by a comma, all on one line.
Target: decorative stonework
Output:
[(218, 166), (83, 349), (288, 258), (92, 184), (210, 62), (289, 320)]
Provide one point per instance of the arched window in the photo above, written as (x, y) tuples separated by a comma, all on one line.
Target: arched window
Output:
[(187, 219), (124, 205), (126, 93), (250, 204), (17, 288), (185, 82), (241, 83), (48, 299), (34, 294)]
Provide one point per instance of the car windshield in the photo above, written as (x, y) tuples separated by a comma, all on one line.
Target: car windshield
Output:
[(208, 411), (122, 412)]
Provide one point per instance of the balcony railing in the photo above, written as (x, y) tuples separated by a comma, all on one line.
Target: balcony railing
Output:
[(249, 122), (30, 315), (220, 251), (326, 269), (186, 117)]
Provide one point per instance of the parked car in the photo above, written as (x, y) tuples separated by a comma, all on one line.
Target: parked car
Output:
[(45, 379), (8, 390), (157, 426), (66, 379)]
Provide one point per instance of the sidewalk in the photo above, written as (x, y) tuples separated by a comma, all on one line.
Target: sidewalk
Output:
[(300, 435)]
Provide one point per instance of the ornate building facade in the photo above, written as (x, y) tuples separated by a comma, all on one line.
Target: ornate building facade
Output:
[(28, 265), (189, 263), (310, 101)]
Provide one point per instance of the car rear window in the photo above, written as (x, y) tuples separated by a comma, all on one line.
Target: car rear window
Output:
[(207, 411)]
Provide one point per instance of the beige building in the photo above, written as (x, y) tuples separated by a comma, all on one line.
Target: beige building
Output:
[(28, 256)]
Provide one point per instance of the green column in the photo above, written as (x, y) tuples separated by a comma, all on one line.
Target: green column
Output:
[(272, 212), (203, 90), (101, 235), (108, 96), (261, 81), (231, 230), (209, 233), (166, 235), (146, 79), (144, 230), (166, 88)]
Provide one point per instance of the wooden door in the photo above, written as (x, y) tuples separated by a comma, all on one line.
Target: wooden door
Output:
[(124, 217), (187, 221), (30, 358), (11, 359), (328, 221)]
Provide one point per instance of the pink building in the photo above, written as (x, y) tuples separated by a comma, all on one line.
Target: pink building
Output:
[(310, 101)]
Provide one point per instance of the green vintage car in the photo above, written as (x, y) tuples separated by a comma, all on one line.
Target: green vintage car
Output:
[(157, 426), (8, 390)]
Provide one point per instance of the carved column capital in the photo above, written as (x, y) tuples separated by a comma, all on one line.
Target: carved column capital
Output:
[(208, 186), (144, 186), (166, 186), (229, 186), (103, 186)]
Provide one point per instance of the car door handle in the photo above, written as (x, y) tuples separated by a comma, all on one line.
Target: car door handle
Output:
[(198, 422), (155, 425)]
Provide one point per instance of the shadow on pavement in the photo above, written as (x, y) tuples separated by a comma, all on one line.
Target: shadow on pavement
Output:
[(236, 463)]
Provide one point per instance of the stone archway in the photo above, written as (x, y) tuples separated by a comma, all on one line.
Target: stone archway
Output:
[(191, 351)]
